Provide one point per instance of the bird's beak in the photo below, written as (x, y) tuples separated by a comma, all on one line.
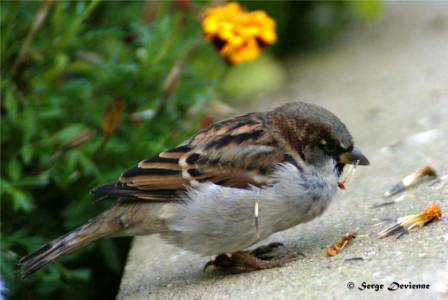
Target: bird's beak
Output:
[(351, 157)]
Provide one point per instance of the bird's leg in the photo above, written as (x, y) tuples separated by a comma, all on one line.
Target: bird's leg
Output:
[(265, 257)]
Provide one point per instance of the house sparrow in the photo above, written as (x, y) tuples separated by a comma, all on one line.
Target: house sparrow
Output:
[(229, 186)]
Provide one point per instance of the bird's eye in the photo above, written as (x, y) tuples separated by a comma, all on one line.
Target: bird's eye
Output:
[(330, 147)]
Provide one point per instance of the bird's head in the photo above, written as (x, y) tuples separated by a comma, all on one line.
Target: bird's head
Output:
[(317, 135)]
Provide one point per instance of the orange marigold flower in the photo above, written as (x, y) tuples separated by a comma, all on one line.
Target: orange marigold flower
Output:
[(238, 35)]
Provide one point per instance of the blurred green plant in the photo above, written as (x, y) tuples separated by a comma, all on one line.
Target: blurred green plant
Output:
[(88, 89)]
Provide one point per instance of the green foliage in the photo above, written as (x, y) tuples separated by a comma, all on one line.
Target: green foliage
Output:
[(85, 56)]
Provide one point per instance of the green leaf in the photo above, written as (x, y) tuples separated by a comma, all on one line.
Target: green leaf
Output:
[(10, 102), (14, 170), (87, 165), (30, 124), (41, 180), (79, 274), (26, 152), (21, 200), (69, 132)]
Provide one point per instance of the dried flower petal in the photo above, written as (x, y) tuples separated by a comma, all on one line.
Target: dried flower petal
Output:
[(206, 121), (112, 117), (343, 241)]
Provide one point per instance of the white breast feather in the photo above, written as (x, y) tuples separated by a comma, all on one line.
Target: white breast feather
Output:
[(212, 219)]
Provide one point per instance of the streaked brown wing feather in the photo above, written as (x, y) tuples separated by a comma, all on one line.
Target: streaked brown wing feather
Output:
[(237, 153)]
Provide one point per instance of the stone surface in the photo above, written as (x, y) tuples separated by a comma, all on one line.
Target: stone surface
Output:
[(388, 81)]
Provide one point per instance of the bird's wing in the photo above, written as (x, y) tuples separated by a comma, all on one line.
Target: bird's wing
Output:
[(238, 152)]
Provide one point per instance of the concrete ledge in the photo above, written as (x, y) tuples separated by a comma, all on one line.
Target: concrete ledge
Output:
[(387, 81)]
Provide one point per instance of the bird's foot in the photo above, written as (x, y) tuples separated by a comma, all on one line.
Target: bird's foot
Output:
[(269, 256), (274, 251)]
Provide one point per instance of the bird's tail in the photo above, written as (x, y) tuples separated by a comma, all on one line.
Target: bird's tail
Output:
[(95, 229), (126, 218)]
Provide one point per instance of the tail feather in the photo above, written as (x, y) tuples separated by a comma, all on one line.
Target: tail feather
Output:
[(113, 190), (125, 218), (117, 190), (63, 245)]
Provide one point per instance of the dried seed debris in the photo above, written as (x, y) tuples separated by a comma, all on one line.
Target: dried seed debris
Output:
[(343, 241), (410, 180), (404, 224), (348, 175), (396, 200)]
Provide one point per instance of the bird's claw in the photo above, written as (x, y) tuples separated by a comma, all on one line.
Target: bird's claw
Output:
[(222, 261), (264, 257)]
